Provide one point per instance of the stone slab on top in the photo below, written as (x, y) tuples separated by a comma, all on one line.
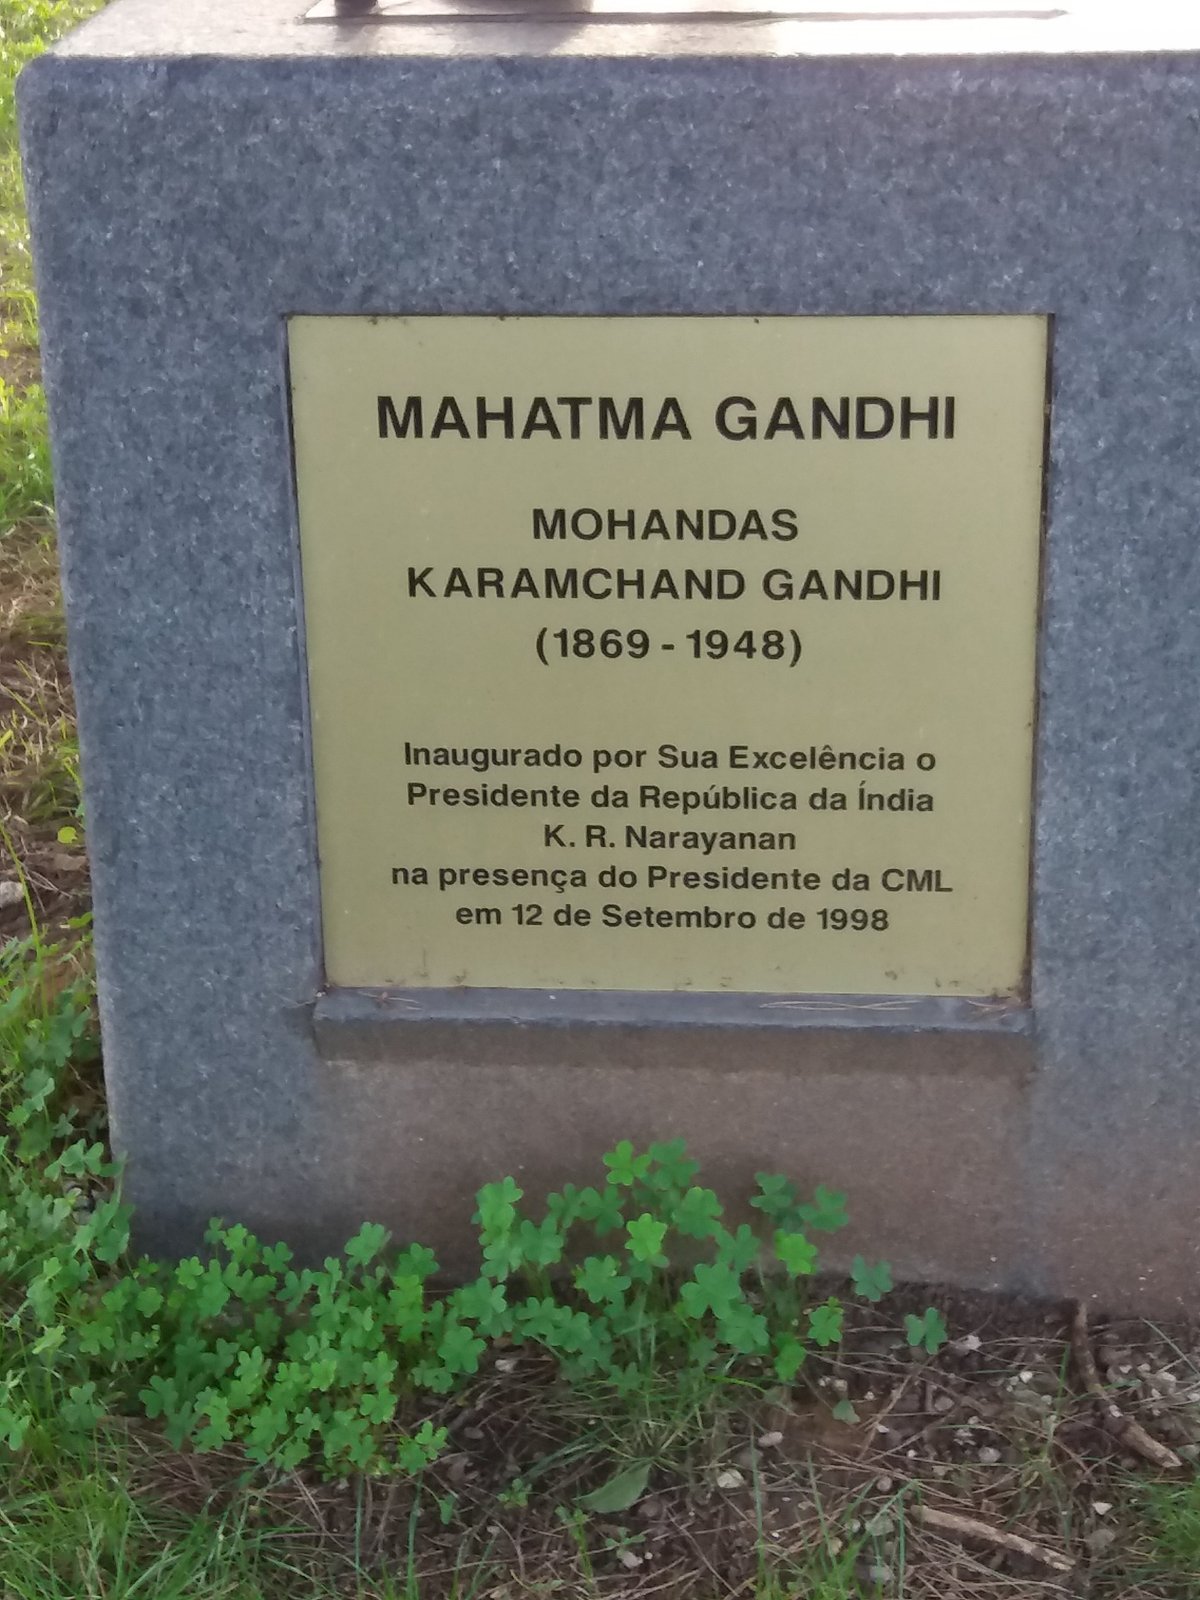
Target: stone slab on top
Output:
[(279, 28)]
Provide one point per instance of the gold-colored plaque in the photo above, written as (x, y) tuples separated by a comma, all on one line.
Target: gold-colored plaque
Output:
[(667, 653)]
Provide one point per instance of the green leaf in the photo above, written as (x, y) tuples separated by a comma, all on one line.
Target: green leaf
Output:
[(541, 1319), (497, 1207), (713, 1287), (378, 1408), (575, 1334), (240, 1243), (366, 1243), (627, 1381), (625, 1167), (459, 1350), (789, 1357), (928, 1330), (620, 1492), (826, 1212), (742, 1329), (417, 1261), (825, 1323), (776, 1195), (14, 1426), (675, 1170), (160, 1398), (276, 1257), (484, 1302), (428, 1375), (600, 1278), (603, 1208), (697, 1213), (798, 1256), (50, 1341), (872, 1282), (423, 1447), (645, 1235), (81, 1410), (218, 1431), (566, 1207), (541, 1244), (844, 1412), (737, 1250), (502, 1256)]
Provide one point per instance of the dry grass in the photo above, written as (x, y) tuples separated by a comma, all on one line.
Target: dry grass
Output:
[(39, 759)]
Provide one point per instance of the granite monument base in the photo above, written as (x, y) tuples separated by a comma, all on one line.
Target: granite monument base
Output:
[(200, 171)]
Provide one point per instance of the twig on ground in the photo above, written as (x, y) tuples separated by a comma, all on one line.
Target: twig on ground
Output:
[(971, 1528), (1130, 1433), (894, 1399)]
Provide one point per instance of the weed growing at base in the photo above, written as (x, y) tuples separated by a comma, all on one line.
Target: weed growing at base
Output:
[(620, 1282), (26, 488), (1172, 1513)]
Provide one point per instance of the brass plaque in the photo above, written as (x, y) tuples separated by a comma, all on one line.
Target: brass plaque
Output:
[(664, 653)]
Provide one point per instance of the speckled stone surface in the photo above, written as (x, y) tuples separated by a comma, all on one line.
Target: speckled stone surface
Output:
[(201, 168)]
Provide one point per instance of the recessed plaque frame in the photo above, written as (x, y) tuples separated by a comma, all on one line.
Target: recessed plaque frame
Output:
[(670, 653)]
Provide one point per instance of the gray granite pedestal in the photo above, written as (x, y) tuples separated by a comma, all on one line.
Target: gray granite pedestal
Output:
[(199, 170)]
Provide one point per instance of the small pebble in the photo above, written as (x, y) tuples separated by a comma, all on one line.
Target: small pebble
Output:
[(989, 1455), (730, 1478), (768, 1441), (1100, 1538), (884, 1484), (1101, 1507)]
